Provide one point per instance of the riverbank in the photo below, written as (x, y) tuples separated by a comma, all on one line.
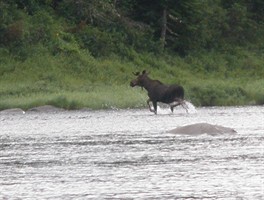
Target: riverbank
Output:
[(81, 81), (121, 97)]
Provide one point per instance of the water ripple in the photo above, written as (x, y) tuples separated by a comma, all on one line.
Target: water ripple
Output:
[(128, 154)]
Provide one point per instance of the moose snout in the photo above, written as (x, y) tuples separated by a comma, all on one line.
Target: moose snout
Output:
[(132, 84)]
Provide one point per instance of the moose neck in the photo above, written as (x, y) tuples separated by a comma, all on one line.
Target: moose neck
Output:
[(148, 83)]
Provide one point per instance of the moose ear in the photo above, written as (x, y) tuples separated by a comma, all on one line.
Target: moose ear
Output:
[(136, 73), (145, 72)]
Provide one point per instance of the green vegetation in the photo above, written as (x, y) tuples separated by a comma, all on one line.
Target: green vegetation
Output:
[(75, 54)]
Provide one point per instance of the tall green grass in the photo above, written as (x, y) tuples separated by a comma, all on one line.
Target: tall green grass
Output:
[(99, 97), (77, 79)]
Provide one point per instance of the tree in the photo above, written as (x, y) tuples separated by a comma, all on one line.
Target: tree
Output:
[(169, 19)]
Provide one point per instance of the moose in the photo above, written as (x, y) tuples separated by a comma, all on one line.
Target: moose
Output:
[(159, 92)]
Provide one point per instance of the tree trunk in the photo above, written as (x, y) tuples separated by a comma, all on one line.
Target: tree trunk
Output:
[(163, 28)]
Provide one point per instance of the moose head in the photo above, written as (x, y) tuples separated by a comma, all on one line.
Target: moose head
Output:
[(139, 81)]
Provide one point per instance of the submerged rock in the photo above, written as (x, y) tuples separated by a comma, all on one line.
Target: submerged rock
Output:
[(202, 128), (46, 108), (12, 111)]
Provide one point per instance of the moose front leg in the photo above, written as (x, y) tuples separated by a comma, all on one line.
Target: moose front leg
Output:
[(154, 105)]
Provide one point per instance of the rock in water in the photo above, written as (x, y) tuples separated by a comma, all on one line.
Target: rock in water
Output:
[(12, 111), (203, 128), (45, 109)]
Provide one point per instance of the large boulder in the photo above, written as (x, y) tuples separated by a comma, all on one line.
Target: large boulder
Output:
[(202, 128)]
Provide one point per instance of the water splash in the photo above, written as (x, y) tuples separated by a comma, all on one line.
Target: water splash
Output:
[(163, 110), (188, 108), (191, 108)]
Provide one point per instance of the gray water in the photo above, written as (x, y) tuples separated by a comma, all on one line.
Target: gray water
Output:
[(128, 154)]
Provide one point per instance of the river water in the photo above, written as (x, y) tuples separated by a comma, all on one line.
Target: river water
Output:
[(128, 154)]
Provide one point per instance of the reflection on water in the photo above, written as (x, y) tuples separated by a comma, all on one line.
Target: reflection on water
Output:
[(128, 154)]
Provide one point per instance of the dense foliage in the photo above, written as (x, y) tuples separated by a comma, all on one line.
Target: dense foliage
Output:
[(62, 45), (108, 26)]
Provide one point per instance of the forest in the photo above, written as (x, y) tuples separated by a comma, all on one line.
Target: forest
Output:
[(81, 53)]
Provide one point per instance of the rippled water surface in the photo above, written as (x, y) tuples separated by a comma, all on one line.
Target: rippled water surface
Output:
[(128, 154)]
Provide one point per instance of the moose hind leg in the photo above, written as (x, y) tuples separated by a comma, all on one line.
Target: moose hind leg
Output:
[(173, 105), (178, 102), (184, 105)]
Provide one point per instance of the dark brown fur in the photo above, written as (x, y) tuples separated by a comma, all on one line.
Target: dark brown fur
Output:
[(159, 92)]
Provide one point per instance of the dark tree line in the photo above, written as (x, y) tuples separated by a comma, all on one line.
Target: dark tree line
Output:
[(151, 25), (186, 24)]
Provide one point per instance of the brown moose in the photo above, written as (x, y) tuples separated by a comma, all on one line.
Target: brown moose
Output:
[(159, 92)]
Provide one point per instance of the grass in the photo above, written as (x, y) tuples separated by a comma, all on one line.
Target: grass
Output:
[(99, 97), (78, 80)]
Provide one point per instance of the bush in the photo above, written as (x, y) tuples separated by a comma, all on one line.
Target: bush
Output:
[(221, 94)]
